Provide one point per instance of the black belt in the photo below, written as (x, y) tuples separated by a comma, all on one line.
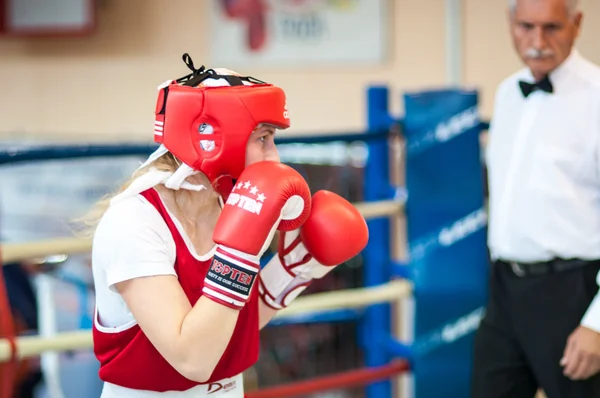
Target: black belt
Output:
[(545, 267)]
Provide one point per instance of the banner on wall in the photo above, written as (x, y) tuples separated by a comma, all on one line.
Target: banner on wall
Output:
[(47, 18), (297, 32)]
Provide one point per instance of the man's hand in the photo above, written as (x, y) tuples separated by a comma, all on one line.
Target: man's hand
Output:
[(581, 358)]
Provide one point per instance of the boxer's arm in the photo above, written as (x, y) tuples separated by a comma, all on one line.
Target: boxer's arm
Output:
[(191, 339), (133, 248), (265, 313)]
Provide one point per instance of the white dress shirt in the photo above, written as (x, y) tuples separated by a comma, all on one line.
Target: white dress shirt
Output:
[(543, 159)]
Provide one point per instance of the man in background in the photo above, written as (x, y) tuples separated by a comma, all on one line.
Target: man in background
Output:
[(542, 326)]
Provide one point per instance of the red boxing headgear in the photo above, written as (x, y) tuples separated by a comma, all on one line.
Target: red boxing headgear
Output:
[(207, 125)]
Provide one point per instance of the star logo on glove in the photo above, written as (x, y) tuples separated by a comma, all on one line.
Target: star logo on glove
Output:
[(251, 200), (253, 189)]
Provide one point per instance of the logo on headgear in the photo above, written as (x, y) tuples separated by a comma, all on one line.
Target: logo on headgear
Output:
[(286, 113)]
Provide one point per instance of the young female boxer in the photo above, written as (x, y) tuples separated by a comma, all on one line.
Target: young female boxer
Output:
[(176, 252)]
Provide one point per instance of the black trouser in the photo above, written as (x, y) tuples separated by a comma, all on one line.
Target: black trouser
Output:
[(523, 335)]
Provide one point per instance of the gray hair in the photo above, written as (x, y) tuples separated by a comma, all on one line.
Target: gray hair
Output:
[(572, 6)]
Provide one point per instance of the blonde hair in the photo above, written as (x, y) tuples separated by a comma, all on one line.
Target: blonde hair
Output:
[(85, 226)]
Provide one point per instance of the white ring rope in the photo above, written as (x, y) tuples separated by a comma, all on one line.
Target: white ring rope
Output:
[(348, 299), (13, 252), (28, 346)]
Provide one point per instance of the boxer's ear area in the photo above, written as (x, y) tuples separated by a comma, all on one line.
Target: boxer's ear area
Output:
[(223, 186)]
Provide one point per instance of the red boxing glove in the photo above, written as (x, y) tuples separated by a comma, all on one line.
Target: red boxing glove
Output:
[(267, 195), (335, 232)]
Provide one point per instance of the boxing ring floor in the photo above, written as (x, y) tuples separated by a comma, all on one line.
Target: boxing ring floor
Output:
[(407, 321)]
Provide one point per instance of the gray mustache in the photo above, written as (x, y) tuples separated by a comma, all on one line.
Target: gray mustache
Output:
[(535, 53)]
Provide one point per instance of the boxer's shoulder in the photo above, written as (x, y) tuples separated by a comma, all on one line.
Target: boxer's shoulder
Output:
[(130, 218)]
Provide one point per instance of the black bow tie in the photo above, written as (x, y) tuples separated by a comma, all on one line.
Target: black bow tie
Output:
[(527, 88)]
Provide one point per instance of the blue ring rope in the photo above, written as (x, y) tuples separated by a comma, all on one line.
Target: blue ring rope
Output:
[(73, 151)]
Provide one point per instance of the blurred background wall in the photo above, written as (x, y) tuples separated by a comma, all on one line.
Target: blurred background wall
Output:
[(103, 87), (138, 44)]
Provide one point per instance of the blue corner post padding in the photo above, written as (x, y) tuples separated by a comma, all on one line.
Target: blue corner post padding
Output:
[(377, 267), (447, 223)]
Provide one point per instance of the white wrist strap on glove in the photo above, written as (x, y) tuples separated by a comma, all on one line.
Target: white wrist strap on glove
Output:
[(289, 272), (230, 277)]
